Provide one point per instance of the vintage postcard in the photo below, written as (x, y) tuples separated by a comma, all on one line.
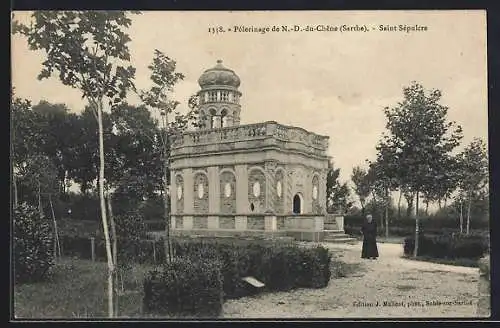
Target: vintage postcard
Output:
[(249, 164)]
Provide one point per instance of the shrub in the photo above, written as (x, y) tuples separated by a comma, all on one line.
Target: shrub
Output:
[(33, 244), (450, 246), (279, 266), (405, 226), (185, 287), (485, 267)]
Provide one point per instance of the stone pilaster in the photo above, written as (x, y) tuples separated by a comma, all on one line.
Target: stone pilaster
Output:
[(270, 169), (270, 223), (173, 193), (213, 190)]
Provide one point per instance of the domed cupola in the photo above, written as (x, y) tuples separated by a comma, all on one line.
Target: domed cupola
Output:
[(219, 76), (219, 98)]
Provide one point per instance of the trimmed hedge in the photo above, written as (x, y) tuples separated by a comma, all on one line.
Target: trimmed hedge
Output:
[(280, 267), (449, 246), (205, 273), (354, 223), (184, 288)]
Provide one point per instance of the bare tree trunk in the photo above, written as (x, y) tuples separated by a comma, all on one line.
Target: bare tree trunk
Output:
[(377, 209), (57, 245), (109, 255), (445, 200), (468, 213), (166, 194), (415, 251), (461, 216), (426, 207), (399, 203), (439, 203), (409, 201), (386, 214), (40, 209), (166, 202), (114, 250), (14, 183)]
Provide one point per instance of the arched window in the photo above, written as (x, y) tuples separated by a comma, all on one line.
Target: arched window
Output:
[(297, 204)]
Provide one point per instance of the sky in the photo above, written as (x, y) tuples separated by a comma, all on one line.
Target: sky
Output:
[(329, 82)]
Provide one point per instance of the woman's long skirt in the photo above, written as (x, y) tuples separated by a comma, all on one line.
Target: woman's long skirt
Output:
[(369, 249)]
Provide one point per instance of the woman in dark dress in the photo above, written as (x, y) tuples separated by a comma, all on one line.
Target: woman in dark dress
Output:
[(369, 230)]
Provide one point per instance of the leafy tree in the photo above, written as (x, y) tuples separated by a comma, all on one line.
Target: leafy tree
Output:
[(419, 138), (137, 150), (87, 49), (58, 135), (473, 173), (362, 185), (24, 138), (38, 176), (337, 194)]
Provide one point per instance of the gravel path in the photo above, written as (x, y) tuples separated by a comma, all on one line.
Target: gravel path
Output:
[(388, 287)]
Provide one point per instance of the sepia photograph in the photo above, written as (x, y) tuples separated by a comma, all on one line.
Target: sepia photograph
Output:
[(249, 165)]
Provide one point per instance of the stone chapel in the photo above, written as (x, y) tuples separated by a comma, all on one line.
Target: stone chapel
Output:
[(232, 179)]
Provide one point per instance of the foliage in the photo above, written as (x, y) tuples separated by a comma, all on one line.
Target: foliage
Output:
[(362, 185), (130, 230), (406, 227), (86, 49), (473, 163), (420, 139), (279, 267), (185, 287), (419, 143), (33, 243), (485, 267), (38, 176), (450, 246), (337, 194)]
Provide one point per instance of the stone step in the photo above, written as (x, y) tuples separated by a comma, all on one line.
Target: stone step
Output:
[(333, 231), (340, 240)]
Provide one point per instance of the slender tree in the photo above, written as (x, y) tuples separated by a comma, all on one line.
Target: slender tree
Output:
[(361, 185), (474, 173), (88, 51), (157, 98), (420, 137)]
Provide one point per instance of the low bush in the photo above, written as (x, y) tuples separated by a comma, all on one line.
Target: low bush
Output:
[(402, 225), (449, 246), (185, 287), (33, 244), (280, 267), (485, 267)]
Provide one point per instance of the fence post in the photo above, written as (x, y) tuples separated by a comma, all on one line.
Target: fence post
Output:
[(92, 245)]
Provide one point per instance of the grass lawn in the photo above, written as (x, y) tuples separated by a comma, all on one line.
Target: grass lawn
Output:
[(77, 289), (473, 263)]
